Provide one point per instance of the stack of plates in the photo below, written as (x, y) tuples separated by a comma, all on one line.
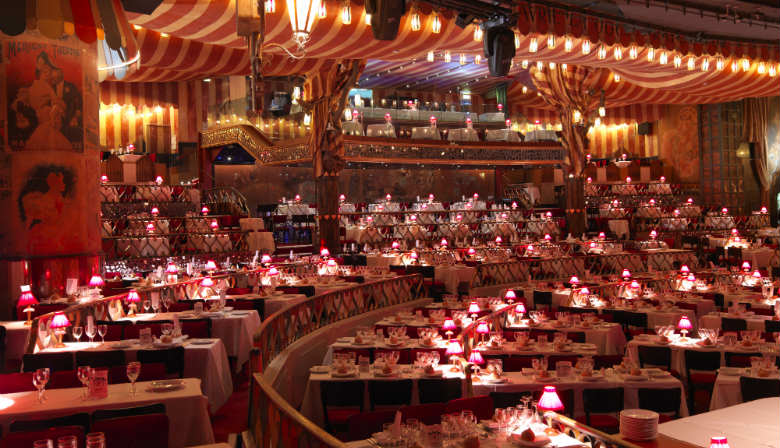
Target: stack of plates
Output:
[(639, 424)]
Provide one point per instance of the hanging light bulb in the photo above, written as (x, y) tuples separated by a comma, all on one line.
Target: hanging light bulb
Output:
[(431, 56), (539, 65), (462, 59), (436, 25), (691, 63), (677, 61), (416, 21), (447, 56), (633, 52), (745, 64), (720, 64), (346, 13), (551, 41), (552, 65), (577, 116), (585, 46), (602, 52), (524, 63), (650, 54), (564, 66), (734, 66), (368, 19), (663, 59), (477, 33), (602, 111), (568, 44), (761, 68), (525, 90), (772, 71), (533, 46), (322, 12), (270, 6), (616, 77), (618, 53), (597, 122), (477, 59), (705, 64), (517, 41)]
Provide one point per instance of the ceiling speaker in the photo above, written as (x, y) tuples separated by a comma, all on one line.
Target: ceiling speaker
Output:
[(385, 17)]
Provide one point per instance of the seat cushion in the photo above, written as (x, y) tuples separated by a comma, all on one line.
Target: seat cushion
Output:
[(340, 416), (702, 378)]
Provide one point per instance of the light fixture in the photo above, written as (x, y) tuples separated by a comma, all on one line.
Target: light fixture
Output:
[(551, 41), (568, 44), (720, 64), (684, 324), (602, 111), (734, 66), (524, 63), (96, 281), (705, 64), (663, 59), (323, 11), (719, 442), (368, 19), (633, 52), (602, 54), (564, 66), (478, 33), (549, 401), (270, 6), (691, 63), (761, 68), (525, 90), (416, 22), (431, 56), (302, 13), (477, 59), (597, 122), (27, 300), (533, 46), (476, 358), (447, 56), (539, 65), (346, 13), (772, 71), (517, 41), (677, 62), (618, 52), (59, 323), (745, 63), (552, 65), (132, 299), (616, 77), (462, 59), (436, 24), (650, 54), (585, 46)]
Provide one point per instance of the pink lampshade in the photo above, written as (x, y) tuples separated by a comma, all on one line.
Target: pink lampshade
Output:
[(155, 211), (520, 308), (734, 231), (724, 210), (691, 277), (104, 178), (265, 258), (476, 196), (324, 252), (172, 268), (297, 198), (719, 442), (602, 235), (454, 348), (628, 179), (736, 239), (745, 265), (369, 219), (331, 262), (547, 237), (690, 200), (214, 224), (634, 284), (500, 107), (498, 239), (204, 210), (504, 215), (432, 119), (549, 214), (211, 265), (413, 255), (459, 217), (549, 401), (684, 323), (662, 179), (132, 296), (590, 180), (60, 320), (626, 273), (96, 281), (588, 156), (150, 227), (443, 242), (388, 117), (430, 196), (763, 210), (388, 197), (273, 271), (652, 201), (413, 218), (684, 269), (158, 180), (510, 295), (592, 244), (449, 325), (756, 274), (585, 291), (471, 251), (483, 327), (474, 308), (476, 358), (530, 248), (653, 234), (615, 203), (574, 280), (395, 245), (27, 298), (514, 205), (342, 198), (676, 212), (207, 282)]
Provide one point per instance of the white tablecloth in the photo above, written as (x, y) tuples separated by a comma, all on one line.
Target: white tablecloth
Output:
[(463, 135), (540, 135), (426, 132), (502, 135), (619, 227), (352, 127), (186, 408), (451, 276), (760, 257), (714, 321), (206, 362), (380, 130), (753, 424), (727, 391), (16, 334)]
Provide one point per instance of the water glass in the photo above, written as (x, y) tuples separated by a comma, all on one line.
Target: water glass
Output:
[(40, 378), (147, 305), (77, 331), (133, 370), (91, 332), (96, 440), (66, 442), (83, 373), (102, 330)]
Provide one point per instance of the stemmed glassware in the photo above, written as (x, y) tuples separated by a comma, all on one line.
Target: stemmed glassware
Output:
[(83, 373), (77, 332), (40, 378), (67, 442), (133, 370), (96, 440), (102, 330), (156, 306), (147, 305), (91, 332)]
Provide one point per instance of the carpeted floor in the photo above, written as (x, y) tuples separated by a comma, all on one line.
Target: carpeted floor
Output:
[(231, 418)]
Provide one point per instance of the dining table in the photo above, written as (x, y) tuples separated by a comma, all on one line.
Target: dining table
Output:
[(204, 359), (607, 337), (452, 275), (274, 302), (753, 321), (16, 336), (727, 391), (186, 407)]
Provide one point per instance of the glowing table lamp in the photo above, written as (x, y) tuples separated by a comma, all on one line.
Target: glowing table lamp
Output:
[(547, 237), (626, 274), (59, 323), (684, 325), (653, 234), (757, 274), (443, 243), (204, 211), (324, 252), (211, 266), (96, 281), (574, 280), (476, 358), (474, 308), (172, 272), (499, 240), (342, 198), (746, 266), (155, 211), (388, 197), (132, 300), (104, 178), (27, 300), (684, 269), (482, 329), (510, 296), (471, 252), (158, 180), (520, 309), (454, 349), (449, 327), (719, 442), (550, 401), (724, 211), (396, 245), (602, 235)]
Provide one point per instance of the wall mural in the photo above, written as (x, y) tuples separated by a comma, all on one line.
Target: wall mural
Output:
[(679, 130), (44, 84)]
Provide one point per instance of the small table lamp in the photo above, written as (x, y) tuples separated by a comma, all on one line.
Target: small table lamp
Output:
[(510, 296), (719, 442), (96, 281), (476, 358), (454, 350), (59, 323), (482, 329), (132, 300), (520, 309), (549, 402), (211, 266), (449, 327), (27, 300), (684, 325)]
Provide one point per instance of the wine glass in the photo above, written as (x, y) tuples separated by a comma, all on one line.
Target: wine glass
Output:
[(83, 373), (156, 306), (66, 442), (77, 332), (40, 378), (91, 332), (102, 330), (96, 440), (147, 305), (45, 443), (133, 370)]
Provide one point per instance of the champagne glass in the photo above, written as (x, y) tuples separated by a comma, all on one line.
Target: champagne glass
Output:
[(77, 332), (40, 378), (147, 305), (96, 440), (66, 442), (102, 330), (133, 370), (156, 306), (83, 373), (91, 332)]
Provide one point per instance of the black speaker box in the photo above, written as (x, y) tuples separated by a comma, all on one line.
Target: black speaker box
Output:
[(385, 17), (645, 128), (499, 45)]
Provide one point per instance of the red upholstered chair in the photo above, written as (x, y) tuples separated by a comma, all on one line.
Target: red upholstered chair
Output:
[(16, 382), (428, 414), (238, 291), (701, 369), (518, 363), (481, 406), (196, 328), (115, 331), (26, 438), (361, 426), (606, 361), (184, 305), (602, 407), (664, 401), (132, 331), (125, 432), (341, 400)]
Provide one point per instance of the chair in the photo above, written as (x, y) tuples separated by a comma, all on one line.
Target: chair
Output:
[(772, 326), (756, 388), (389, 393), (606, 361), (27, 438), (340, 400), (103, 358), (739, 359), (507, 399), (62, 379), (173, 358), (115, 331), (147, 430), (133, 331), (361, 426), (635, 323), (54, 361), (700, 369), (105, 414), (732, 324), (184, 305), (576, 336), (599, 404), (655, 356), (481, 406), (664, 401), (428, 414), (439, 390), (518, 363), (16, 382), (555, 359), (149, 372), (196, 328), (80, 420), (543, 298)]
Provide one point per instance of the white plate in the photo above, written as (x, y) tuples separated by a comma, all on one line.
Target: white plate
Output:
[(202, 341), (635, 378), (592, 378), (165, 385), (500, 380), (347, 374), (319, 369), (540, 440)]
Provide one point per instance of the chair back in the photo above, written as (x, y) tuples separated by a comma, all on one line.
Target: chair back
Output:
[(54, 361), (772, 326), (149, 372), (757, 388), (663, 401), (389, 393), (606, 361), (517, 363), (428, 414), (576, 336), (739, 359), (173, 358), (481, 406), (732, 324), (16, 382), (18, 439), (698, 360), (102, 358), (439, 390), (361, 426), (80, 420), (105, 414), (147, 430), (602, 401), (655, 356), (196, 328)]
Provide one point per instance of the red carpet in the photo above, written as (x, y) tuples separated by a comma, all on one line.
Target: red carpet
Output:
[(231, 418)]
